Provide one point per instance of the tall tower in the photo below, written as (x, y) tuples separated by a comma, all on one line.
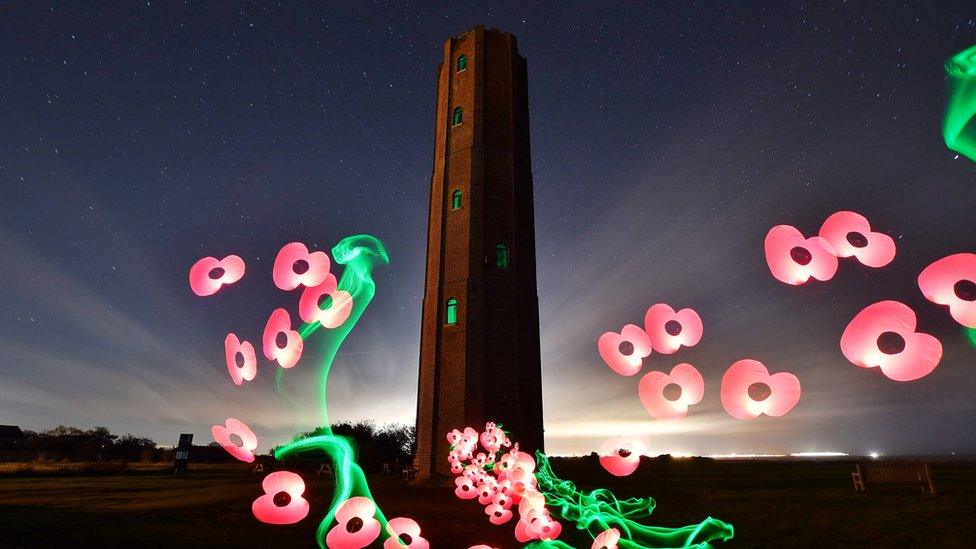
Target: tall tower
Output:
[(479, 346)]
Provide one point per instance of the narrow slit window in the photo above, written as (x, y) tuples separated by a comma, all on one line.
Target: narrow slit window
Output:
[(462, 63), (501, 256), (451, 316), (458, 117), (456, 200)]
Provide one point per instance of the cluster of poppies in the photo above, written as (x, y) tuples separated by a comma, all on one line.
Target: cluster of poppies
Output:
[(500, 480), (883, 335), (793, 258), (667, 395), (321, 301), (748, 389)]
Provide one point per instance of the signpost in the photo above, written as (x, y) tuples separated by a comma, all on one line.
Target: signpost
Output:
[(182, 453)]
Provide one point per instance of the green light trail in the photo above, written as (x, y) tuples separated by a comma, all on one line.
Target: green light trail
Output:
[(958, 127), (599, 510), (359, 255)]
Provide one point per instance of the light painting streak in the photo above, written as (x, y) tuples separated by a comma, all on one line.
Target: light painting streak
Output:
[(359, 255)]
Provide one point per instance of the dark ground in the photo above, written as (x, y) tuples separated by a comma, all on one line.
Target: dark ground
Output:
[(784, 504)]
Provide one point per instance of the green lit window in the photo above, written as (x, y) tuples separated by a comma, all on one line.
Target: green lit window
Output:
[(462, 63), (456, 200), (501, 256), (458, 117), (451, 311)]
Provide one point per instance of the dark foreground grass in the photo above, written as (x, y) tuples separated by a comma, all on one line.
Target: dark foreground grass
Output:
[(781, 504)]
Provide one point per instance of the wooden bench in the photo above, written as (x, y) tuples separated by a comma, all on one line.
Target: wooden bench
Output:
[(904, 474)]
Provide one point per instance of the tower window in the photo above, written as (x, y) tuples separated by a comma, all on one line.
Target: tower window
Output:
[(458, 117), (501, 256), (462, 63), (456, 200), (451, 317)]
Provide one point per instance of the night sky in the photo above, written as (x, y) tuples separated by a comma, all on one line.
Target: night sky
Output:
[(136, 138)]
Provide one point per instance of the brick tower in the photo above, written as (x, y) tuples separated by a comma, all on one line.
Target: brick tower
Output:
[(479, 346)]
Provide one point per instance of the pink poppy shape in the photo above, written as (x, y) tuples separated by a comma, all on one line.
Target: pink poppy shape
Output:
[(780, 391), (531, 499), (502, 498), (883, 335), (487, 489), (281, 343), (474, 473), (356, 526), (624, 352), (282, 502), (669, 330), (465, 488), (620, 456), (793, 259), (404, 532), (456, 437), (249, 441), (497, 514), (952, 281), (607, 539), (538, 524), (849, 234), (207, 275), (661, 406), (233, 347), (522, 487), (494, 438), (482, 459), (339, 304), (295, 267)]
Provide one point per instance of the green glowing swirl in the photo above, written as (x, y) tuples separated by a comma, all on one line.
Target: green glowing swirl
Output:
[(958, 128), (970, 334), (599, 510), (359, 254)]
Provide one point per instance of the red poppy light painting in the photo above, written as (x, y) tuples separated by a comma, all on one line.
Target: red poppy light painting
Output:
[(669, 330), (209, 274), (295, 266), (951, 281), (668, 396), (850, 235), (325, 304), (794, 259), (404, 532), (620, 456), (883, 336), (282, 502), (242, 362), (606, 539), (246, 441), (281, 343), (624, 353), (357, 527), (748, 391)]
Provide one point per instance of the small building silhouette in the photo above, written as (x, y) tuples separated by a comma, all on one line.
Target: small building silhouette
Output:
[(11, 437)]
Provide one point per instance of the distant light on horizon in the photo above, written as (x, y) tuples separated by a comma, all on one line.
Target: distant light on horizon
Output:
[(874, 455), (743, 456)]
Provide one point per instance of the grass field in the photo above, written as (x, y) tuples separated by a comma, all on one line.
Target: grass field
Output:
[(771, 504)]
